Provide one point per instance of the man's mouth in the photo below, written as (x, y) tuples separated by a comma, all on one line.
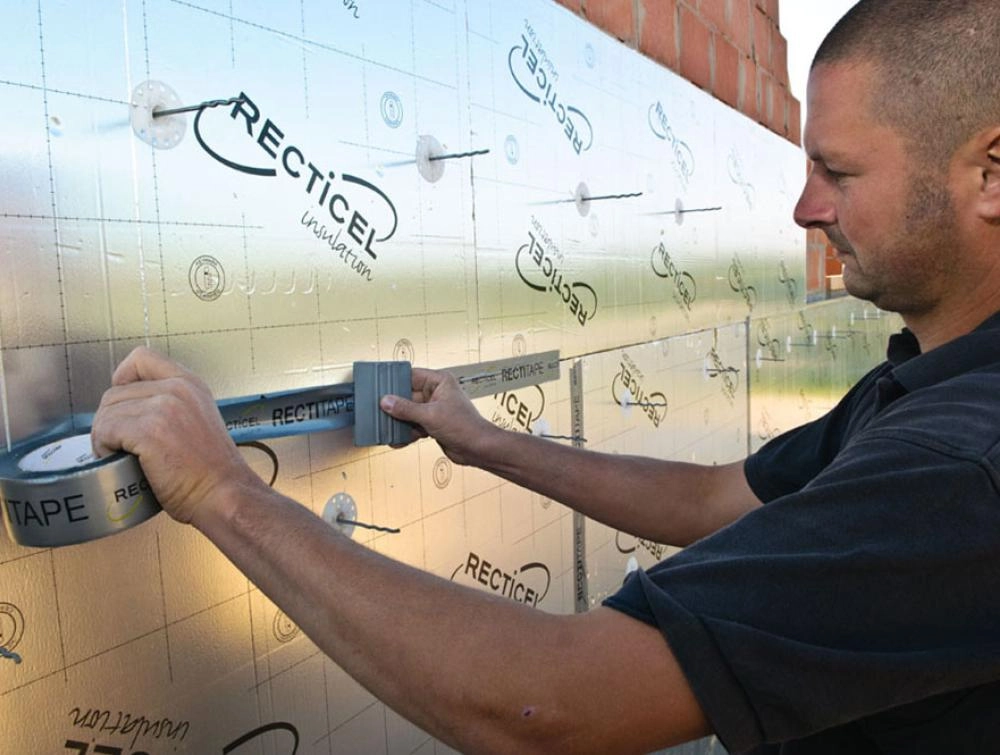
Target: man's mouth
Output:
[(839, 244)]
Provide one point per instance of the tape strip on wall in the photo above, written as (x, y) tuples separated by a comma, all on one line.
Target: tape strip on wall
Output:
[(55, 492)]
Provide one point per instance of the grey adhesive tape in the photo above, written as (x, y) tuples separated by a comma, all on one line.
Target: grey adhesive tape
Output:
[(54, 492)]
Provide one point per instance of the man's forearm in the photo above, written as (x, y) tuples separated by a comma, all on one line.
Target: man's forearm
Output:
[(664, 501), (479, 672)]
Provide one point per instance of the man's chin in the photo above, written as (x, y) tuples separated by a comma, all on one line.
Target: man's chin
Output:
[(858, 287), (861, 289)]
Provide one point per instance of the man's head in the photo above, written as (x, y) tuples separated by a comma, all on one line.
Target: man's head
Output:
[(936, 65), (903, 131)]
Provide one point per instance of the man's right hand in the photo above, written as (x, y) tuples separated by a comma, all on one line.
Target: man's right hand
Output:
[(441, 410), (164, 414)]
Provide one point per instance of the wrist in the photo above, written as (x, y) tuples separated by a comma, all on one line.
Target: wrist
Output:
[(490, 446), (220, 508)]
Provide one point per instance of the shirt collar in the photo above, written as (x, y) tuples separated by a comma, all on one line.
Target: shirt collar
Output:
[(914, 370)]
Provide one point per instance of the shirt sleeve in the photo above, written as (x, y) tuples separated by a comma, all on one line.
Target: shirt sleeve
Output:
[(788, 462), (871, 587)]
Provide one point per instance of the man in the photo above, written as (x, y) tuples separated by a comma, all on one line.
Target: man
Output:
[(856, 612)]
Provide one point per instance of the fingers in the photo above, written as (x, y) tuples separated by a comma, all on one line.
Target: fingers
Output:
[(143, 363), (129, 415), (425, 382), (108, 432), (418, 434), (426, 385), (136, 391), (141, 387)]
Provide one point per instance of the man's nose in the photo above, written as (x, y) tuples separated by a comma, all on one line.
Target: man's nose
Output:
[(815, 208)]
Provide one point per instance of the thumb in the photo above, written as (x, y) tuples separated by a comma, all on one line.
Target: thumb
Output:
[(403, 409)]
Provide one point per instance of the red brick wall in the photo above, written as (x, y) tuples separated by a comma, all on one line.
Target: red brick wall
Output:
[(731, 48)]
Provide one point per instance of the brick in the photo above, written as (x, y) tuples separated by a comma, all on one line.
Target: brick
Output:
[(740, 33), (778, 113), (779, 56), (658, 31), (749, 98), (573, 5), (772, 11), (815, 264), (833, 265), (696, 49), (819, 246), (616, 17), (726, 76), (761, 39), (765, 85), (795, 121), (715, 13)]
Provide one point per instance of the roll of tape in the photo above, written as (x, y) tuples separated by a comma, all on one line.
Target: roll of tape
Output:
[(54, 491)]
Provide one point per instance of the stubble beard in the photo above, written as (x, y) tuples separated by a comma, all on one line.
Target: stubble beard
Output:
[(902, 277)]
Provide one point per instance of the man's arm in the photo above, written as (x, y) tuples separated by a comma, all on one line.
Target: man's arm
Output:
[(664, 501), (482, 673)]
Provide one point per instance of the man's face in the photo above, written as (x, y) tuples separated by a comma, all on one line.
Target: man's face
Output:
[(891, 225)]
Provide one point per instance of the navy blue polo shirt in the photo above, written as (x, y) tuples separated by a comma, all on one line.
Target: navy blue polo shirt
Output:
[(859, 610)]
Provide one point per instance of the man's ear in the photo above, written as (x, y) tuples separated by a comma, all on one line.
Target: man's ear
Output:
[(989, 193)]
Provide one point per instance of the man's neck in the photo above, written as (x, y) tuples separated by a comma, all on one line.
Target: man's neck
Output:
[(937, 328)]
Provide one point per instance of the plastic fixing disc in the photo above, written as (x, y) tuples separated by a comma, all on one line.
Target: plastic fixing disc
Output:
[(581, 198), (161, 133), (626, 403), (541, 427), (341, 505), (428, 147)]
